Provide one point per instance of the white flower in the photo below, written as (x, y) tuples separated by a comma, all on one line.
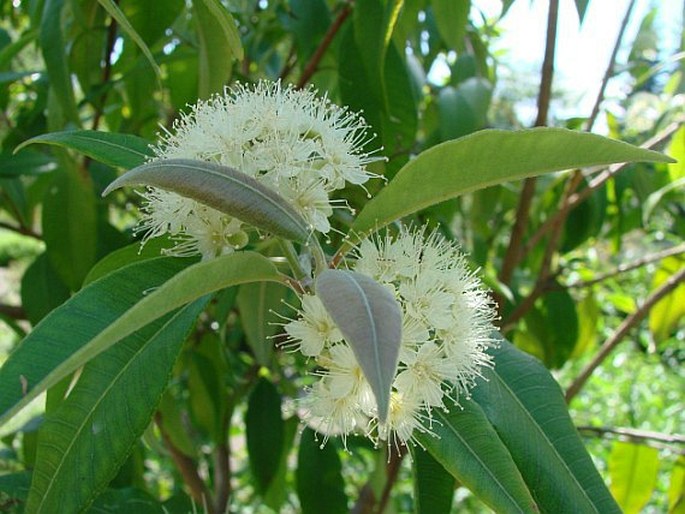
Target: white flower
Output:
[(301, 145), (446, 329), (313, 329)]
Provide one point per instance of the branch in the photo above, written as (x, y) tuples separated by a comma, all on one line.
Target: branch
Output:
[(107, 70), (610, 68), (622, 331), (188, 469), (392, 472), (623, 268), (513, 253), (637, 435), (24, 231), (12, 311), (313, 63)]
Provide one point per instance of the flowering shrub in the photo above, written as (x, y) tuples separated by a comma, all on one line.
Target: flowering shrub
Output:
[(446, 329), (298, 144)]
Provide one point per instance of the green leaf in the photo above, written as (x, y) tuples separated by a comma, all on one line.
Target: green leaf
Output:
[(463, 109), (221, 188), (487, 158), (218, 45), (676, 488), (633, 472), (581, 7), (320, 485), (528, 411), (669, 312), (28, 163), (118, 150), (93, 430), (129, 501), (114, 11), (433, 485), (110, 309), (125, 256), (369, 317), (466, 445), (257, 302), (54, 47), (265, 432), (451, 17), (41, 289), (70, 226)]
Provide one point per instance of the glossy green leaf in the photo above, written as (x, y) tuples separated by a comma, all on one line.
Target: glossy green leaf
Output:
[(433, 485), (41, 289), (221, 188), (469, 448), (217, 43), (633, 472), (54, 47), (320, 485), (487, 158), (26, 163), (265, 433), (125, 256), (115, 12), (527, 409), (669, 312), (70, 226), (93, 430), (257, 303), (369, 317), (108, 310), (280, 489), (129, 501), (118, 150)]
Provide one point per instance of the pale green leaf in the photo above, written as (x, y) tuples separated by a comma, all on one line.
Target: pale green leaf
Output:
[(669, 312), (633, 472), (487, 158), (369, 317), (221, 188)]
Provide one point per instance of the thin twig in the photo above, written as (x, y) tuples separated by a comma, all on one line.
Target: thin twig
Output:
[(512, 255), (107, 70), (313, 63), (635, 434), (188, 469), (624, 268), (12, 311), (392, 472), (622, 331), (222, 477), (610, 68), (24, 231)]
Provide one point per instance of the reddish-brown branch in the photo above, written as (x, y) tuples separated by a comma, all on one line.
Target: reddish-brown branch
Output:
[(188, 469), (313, 63), (513, 253), (12, 311), (622, 331), (24, 231), (107, 70), (610, 68)]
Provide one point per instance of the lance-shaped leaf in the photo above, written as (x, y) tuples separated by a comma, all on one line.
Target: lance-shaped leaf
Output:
[(487, 158), (110, 309), (222, 188), (118, 150), (527, 409), (369, 317)]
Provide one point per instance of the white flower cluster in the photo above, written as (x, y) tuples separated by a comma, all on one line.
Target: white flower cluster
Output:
[(447, 327), (302, 146)]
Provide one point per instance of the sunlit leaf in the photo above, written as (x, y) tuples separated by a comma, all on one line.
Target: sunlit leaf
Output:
[(633, 471)]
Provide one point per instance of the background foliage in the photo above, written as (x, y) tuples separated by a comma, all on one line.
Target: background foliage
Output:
[(577, 260)]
